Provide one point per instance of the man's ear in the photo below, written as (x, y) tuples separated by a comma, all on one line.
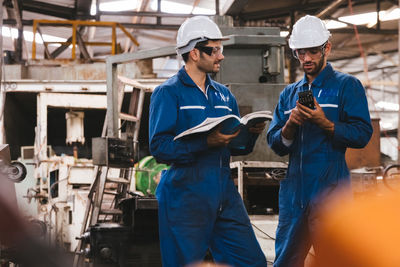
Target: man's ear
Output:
[(328, 48), (194, 54)]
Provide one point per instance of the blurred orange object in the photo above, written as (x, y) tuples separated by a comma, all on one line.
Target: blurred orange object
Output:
[(207, 264), (362, 232)]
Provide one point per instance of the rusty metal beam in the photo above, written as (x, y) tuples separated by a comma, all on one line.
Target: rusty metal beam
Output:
[(329, 9), (233, 7), (49, 9)]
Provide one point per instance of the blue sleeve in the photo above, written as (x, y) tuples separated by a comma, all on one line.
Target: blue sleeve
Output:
[(163, 119), (252, 138), (354, 128), (274, 133)]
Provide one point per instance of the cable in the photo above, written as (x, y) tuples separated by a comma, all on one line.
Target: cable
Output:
[(270, 237), (360, 46), (350, 4)]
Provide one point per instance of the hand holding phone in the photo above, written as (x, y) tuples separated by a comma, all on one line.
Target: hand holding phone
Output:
[(306, 98)]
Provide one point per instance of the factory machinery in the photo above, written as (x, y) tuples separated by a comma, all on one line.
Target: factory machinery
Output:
[(95, 196)]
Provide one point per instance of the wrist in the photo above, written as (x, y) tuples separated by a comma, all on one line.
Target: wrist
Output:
[(288, 131), (328, 126)]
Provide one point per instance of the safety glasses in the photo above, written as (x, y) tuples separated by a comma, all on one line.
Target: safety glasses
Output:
[(211, 50), (313, 52)]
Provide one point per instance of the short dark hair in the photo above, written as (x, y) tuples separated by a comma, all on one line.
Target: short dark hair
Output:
[(185, 56), (203, 43)]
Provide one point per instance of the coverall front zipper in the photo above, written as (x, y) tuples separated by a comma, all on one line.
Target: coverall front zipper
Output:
[(301, 162)]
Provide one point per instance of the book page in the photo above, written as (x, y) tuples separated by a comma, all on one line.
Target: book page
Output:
[(259, 115), (210, 123)]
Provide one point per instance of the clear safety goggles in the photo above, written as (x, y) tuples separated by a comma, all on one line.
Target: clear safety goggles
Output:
[(211, 50), (313, 52)]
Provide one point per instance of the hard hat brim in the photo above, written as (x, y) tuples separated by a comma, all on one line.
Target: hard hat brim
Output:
[(189, 46)]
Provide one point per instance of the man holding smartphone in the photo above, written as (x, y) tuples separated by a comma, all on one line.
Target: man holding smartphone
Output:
[(315, 138)]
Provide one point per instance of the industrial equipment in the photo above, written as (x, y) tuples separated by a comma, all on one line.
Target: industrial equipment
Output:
[(13, 170), (257, 183), (113, 152), (391, 177), (69, 191), (148, 174)]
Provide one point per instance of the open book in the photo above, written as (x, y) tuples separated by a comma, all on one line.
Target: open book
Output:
[(229, 125)]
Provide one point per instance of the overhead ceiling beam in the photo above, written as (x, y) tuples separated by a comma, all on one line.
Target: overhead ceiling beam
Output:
[(49, 9), (144, 14), (233, 7), (329, 9), (365, 30), (13, 22), (169, 27), (309, 8), (83, 8)]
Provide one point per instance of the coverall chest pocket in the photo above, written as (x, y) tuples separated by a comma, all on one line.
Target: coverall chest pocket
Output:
[(222, 110), (330, 106), (191, 115)]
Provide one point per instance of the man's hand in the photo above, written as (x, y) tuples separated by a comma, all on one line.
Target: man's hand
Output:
[(316, 116), (290, 128), (216, 138), (258, 128)]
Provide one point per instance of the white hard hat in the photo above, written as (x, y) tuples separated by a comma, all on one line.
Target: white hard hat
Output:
[(309, 31), (196, 29)]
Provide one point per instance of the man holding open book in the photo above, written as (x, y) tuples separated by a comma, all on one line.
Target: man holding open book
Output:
[(199, 206)]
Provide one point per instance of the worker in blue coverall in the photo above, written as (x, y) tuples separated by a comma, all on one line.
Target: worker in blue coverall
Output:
[(315, 139), (199, 205)]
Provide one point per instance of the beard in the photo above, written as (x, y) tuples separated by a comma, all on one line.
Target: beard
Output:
[(317, 68), (208, 66)]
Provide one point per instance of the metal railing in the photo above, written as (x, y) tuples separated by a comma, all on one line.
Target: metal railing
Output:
[(75, 35)]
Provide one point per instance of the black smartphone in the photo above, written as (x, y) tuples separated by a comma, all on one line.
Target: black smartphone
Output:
[(306, 98)]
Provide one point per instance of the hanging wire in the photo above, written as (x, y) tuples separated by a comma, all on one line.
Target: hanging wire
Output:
[(268, 236), (360, 46), (364, 57)]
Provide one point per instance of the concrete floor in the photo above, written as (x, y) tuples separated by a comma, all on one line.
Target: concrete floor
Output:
[(264, 227)]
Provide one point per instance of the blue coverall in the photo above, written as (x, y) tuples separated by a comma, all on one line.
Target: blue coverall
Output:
[(199, 205), (317, 163)]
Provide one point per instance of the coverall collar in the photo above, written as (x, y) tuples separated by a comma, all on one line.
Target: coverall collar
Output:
[(186, 80), (319, 80)]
